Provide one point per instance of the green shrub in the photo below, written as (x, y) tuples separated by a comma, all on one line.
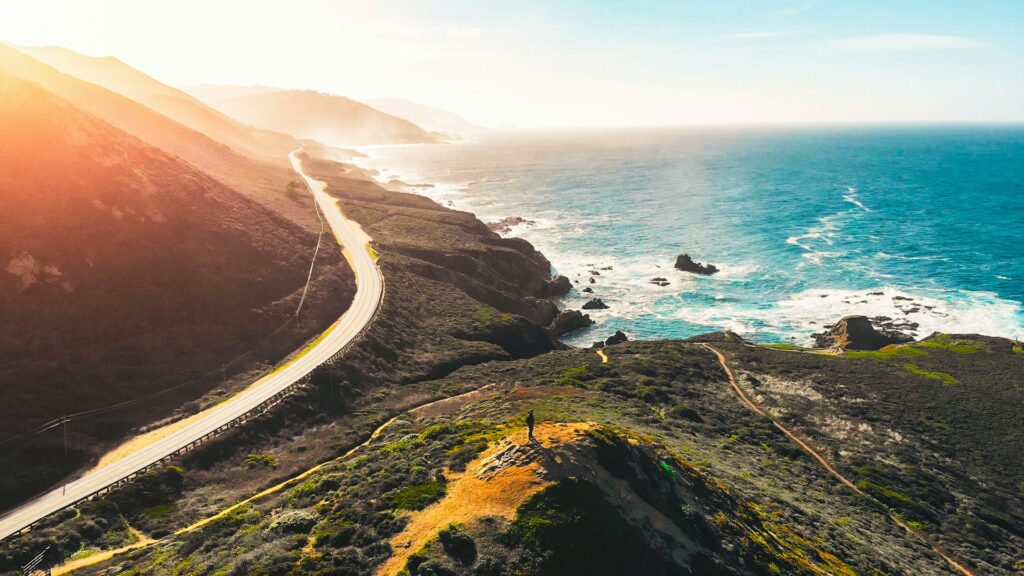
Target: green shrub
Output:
[(260, 461), (458, 544), (415, 497), (684, 412), (294, 522)]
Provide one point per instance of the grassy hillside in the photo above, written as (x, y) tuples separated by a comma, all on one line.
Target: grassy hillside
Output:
[(327, 118), (648, 463), (123, 271)]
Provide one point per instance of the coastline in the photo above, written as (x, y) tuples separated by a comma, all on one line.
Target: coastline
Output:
[(691, 304)]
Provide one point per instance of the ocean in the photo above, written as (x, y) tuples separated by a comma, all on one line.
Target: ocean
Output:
[(923, 225)]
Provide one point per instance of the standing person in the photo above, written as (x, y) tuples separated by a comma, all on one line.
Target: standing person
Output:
[(530, 422)]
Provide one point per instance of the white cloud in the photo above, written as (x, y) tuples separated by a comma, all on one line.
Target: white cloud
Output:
[(908, 42), (758, 35)]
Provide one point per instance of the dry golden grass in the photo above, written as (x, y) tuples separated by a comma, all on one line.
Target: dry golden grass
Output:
[(495, 484)]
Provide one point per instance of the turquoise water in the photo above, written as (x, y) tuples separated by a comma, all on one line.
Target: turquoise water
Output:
[(924, 224)]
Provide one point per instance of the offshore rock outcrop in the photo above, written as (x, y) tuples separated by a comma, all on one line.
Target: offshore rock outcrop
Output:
[(685, 263)]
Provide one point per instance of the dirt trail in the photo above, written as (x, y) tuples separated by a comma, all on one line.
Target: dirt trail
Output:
[(828, 467), (603, 355), (144, 541), (69, 567)]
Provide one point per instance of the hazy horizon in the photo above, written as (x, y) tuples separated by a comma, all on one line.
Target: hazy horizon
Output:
[(573, 64)]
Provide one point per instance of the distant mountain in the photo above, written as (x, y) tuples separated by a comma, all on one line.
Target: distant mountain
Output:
[(428, 117), (331, 119), (264, 181), (119, 77), (214, 92), (125, 270)]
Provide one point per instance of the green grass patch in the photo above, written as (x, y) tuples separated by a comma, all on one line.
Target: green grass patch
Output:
[(784, 346), (955, 345), (416, 497), (160, 510), (947, 379), (1018, 349), (887, 353)]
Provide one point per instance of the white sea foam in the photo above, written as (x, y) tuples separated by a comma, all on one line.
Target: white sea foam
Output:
[(851, 197), (885, 256), (809, 311)]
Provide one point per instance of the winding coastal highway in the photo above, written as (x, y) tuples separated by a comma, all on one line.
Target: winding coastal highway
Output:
[(369, 293)]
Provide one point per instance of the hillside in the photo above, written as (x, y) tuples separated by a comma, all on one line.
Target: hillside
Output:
[(118, 77), (124, 271), (272, 184), (214, 92), (410, 455), (327, 118), (429, 118)]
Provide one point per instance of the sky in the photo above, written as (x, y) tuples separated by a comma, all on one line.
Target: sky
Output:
[(532, 63)]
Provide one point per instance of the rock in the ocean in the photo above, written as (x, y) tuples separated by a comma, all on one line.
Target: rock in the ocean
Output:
[(617, 338), (660, 281), (686, 264), (559, 286), (592, 281), (504, 226), (595, 304), (857, 333), (588, 290), (567, 321)]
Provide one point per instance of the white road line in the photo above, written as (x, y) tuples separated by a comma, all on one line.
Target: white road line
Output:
[(369, 293)]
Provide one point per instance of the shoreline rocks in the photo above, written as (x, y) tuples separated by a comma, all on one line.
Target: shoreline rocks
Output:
[(617, 338), (505, 225), (687, 264), (569, 321), (595, 304), (858, 333), (558, 286)]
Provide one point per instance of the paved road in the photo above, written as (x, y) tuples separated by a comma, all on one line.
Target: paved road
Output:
[(369, 291)]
